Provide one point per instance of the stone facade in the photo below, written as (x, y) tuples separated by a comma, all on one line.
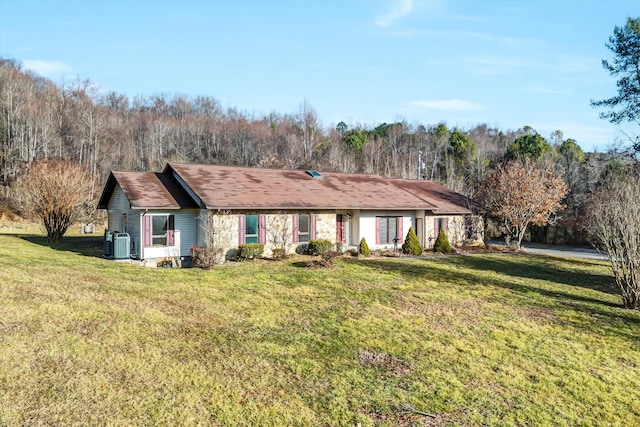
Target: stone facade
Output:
[(326, 226), (461, 230), (221, 230)]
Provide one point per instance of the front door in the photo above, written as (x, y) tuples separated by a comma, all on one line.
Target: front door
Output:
[(343, 232)]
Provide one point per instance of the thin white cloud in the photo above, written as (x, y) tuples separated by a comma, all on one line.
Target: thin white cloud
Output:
[(558, 63), (465, 34), (401, 9), (547, 90), (50, 69), (446, 105), (512, 62)]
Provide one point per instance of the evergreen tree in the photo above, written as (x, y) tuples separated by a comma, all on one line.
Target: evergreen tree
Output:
[(625, 44), (363, 248), (411, 245), (442, 243)]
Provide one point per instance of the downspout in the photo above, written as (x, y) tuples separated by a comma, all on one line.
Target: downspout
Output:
[(142, 233)]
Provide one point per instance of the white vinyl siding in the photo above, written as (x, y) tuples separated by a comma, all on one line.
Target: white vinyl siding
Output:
[(367, 226)]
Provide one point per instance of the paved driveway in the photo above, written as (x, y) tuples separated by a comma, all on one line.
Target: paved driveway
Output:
[(558, 250)]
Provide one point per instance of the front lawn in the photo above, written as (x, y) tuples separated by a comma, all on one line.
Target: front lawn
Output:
[(483, 340)]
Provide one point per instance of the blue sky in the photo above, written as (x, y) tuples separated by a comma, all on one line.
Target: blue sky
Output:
[(504, 63)]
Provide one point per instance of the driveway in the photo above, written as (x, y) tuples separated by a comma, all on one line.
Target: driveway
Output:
[(558, 250)]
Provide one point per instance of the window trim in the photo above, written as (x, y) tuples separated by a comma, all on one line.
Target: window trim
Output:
[(304, 236), (295, 232), (252, 236), (162, 237), (399, 232), (242, 229), (440, 223), (169, 233)]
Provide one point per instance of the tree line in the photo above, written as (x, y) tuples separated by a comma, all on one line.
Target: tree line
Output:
[(111, 131)]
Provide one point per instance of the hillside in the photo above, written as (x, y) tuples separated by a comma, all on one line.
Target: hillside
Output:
[(486, 340)]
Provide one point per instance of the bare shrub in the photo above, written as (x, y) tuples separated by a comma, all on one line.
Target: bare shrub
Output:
[(279, 232), (214, 226), (57, 193), (613, 221), (204, 257)]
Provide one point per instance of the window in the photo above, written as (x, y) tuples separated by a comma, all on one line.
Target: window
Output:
[(124, 222), (159, 230), (251, 229), (303, 228), (440, 224), (388, 229)]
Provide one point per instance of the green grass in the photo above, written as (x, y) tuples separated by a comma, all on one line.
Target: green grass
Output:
[(486, 340)]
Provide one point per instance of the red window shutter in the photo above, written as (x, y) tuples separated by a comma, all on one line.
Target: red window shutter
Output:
[(294, 228), (377, 230), (171, 236), (339, 230), (262, 229), (146, 234), (436, 229), (399, 228), (312, 227), (241, 229)]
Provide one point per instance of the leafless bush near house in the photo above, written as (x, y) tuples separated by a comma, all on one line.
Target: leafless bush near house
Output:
[(214, 226), (57, 193), (279, 229)]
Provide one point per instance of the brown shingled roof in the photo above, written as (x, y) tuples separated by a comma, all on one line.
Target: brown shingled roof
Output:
[(147, 190), (237, 188)]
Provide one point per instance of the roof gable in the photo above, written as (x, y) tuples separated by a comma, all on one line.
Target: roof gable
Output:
[(147, 190)]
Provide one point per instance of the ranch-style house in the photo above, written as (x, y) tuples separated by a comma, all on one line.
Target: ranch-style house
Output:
[(167, 213)]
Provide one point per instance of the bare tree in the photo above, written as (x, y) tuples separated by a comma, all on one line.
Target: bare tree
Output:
[(215, 227), (308, 131), (522, 193), (12, 102), (57, 193), (279, 229), (614, 222)]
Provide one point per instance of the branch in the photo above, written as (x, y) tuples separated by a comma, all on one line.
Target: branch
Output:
[(406, 409)]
